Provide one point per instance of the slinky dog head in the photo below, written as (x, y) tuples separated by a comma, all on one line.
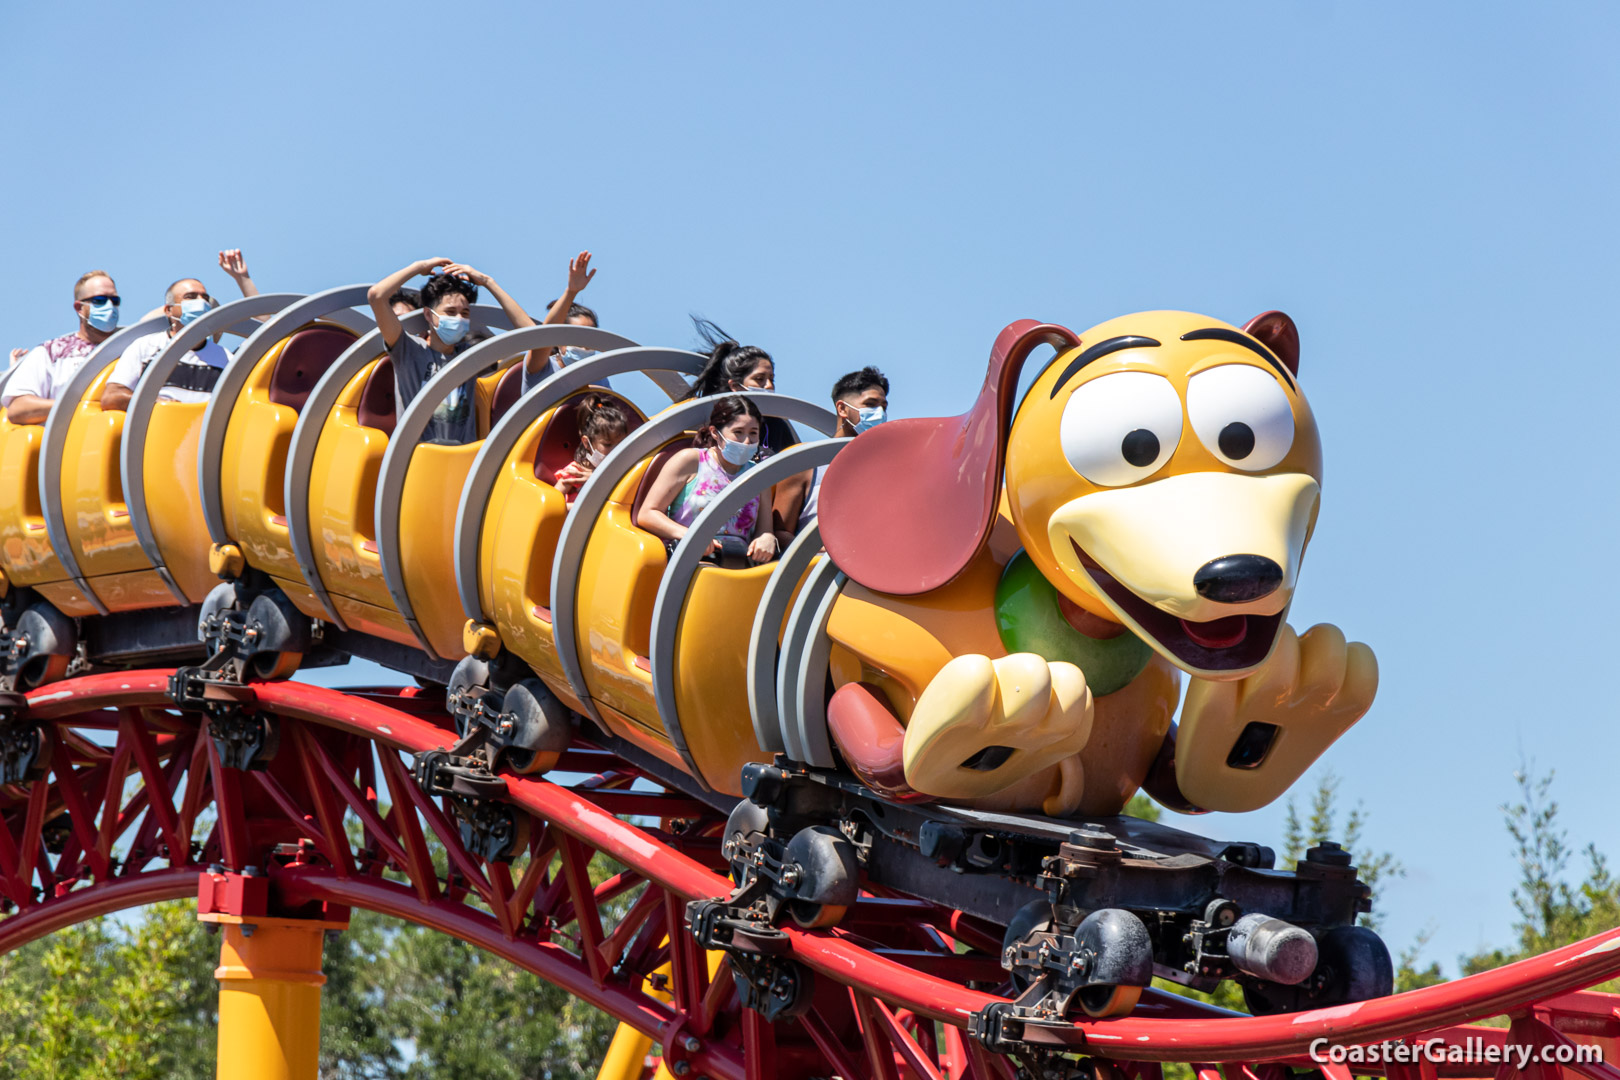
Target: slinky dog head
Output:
[(1163, 471)]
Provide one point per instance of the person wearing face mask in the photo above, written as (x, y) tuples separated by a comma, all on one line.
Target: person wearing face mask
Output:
[(861, 400), (447, 298), (735, 368), (46, 368), (602, 426), (193, 379), (542, 363), (690, 479)]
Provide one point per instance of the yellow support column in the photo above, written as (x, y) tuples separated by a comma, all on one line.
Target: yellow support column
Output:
[(626, 1055), (269, 997)]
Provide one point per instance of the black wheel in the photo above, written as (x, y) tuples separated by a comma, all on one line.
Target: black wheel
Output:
[(275, 667), (815, 916), (541, 727), (747, 824), (828, 876), (1034, 917), (40, 670), (1102, 1001)]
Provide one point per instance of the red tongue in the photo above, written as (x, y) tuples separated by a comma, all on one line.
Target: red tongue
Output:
[(1218, 633)]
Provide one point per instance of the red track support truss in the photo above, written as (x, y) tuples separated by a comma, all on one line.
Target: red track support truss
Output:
[(136, 802)]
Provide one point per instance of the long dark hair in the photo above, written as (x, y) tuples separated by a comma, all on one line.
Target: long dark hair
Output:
[(725, 411), (728, 361), (599, 417)]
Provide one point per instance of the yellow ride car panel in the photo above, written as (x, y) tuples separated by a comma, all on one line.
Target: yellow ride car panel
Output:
[(711, 647)]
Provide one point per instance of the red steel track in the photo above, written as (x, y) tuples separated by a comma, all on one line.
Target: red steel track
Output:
[(891, 969)]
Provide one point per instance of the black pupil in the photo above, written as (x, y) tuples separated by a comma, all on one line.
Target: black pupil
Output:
[(1141, 447), (1237, 440)]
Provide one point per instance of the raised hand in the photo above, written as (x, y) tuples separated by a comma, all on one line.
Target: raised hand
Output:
[(580, 272), (16, 355), (231, 261), (462, 270), (427, 266)]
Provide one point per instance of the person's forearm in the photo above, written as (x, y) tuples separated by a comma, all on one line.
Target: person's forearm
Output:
[(788, 503), (514, 310), (115, 398), (538, 358), (28, 409), (764, 526), (245, 283), (660, 524), (378, 294), (559, 311), (535, 361)]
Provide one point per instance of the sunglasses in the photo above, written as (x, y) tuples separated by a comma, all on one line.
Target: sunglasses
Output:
[(116, 300)]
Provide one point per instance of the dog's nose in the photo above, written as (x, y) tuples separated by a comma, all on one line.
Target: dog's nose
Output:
[(1237, 579)]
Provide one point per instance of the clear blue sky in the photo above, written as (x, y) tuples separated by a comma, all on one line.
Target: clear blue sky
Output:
[(1427, 189)]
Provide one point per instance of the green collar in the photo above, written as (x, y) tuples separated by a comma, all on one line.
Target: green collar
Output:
[(1030, 621)]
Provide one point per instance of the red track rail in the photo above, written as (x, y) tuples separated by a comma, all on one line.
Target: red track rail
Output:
[(899, 971)]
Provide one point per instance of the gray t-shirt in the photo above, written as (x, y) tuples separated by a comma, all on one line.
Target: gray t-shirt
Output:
[(454, 422)]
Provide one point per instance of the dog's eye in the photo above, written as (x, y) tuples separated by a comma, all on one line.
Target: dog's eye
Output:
[(1242, 414), (1121, 428)]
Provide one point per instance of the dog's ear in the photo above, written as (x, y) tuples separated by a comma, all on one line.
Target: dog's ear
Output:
[(906, 506), (1279, 334)]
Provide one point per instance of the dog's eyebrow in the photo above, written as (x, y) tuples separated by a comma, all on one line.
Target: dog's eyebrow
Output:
[(1102, 348), (1220, 333)]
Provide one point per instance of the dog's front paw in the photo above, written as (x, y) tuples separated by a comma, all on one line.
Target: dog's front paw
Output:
[(1243, 743), (982, 725)]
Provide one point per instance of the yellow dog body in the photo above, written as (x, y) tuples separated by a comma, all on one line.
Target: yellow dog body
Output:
[(1163, 475)]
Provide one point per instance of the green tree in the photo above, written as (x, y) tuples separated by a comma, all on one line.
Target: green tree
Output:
[(1552, 912), (1143, 807), (1323, 824), (109, 1000)]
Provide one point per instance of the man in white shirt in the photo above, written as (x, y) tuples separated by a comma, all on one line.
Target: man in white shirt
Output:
[(194, 377), (47, 368)]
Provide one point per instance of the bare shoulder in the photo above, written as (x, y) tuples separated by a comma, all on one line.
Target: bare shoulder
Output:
[(682, 463)]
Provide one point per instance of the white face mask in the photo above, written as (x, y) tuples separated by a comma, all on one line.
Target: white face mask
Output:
[(737, 453), (594, 457), (865, 419)]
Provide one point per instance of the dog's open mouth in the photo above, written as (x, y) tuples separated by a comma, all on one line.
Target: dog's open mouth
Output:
[(1226, 644)]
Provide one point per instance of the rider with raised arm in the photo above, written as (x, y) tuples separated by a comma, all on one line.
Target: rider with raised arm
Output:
[(447, 299), (46, 368), (194, 378), (542, 363)]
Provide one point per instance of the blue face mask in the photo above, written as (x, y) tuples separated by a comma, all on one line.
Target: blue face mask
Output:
[(192, 310), (452, 328), (103, 316), (737, 453), (869, 418), (574, 354)]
